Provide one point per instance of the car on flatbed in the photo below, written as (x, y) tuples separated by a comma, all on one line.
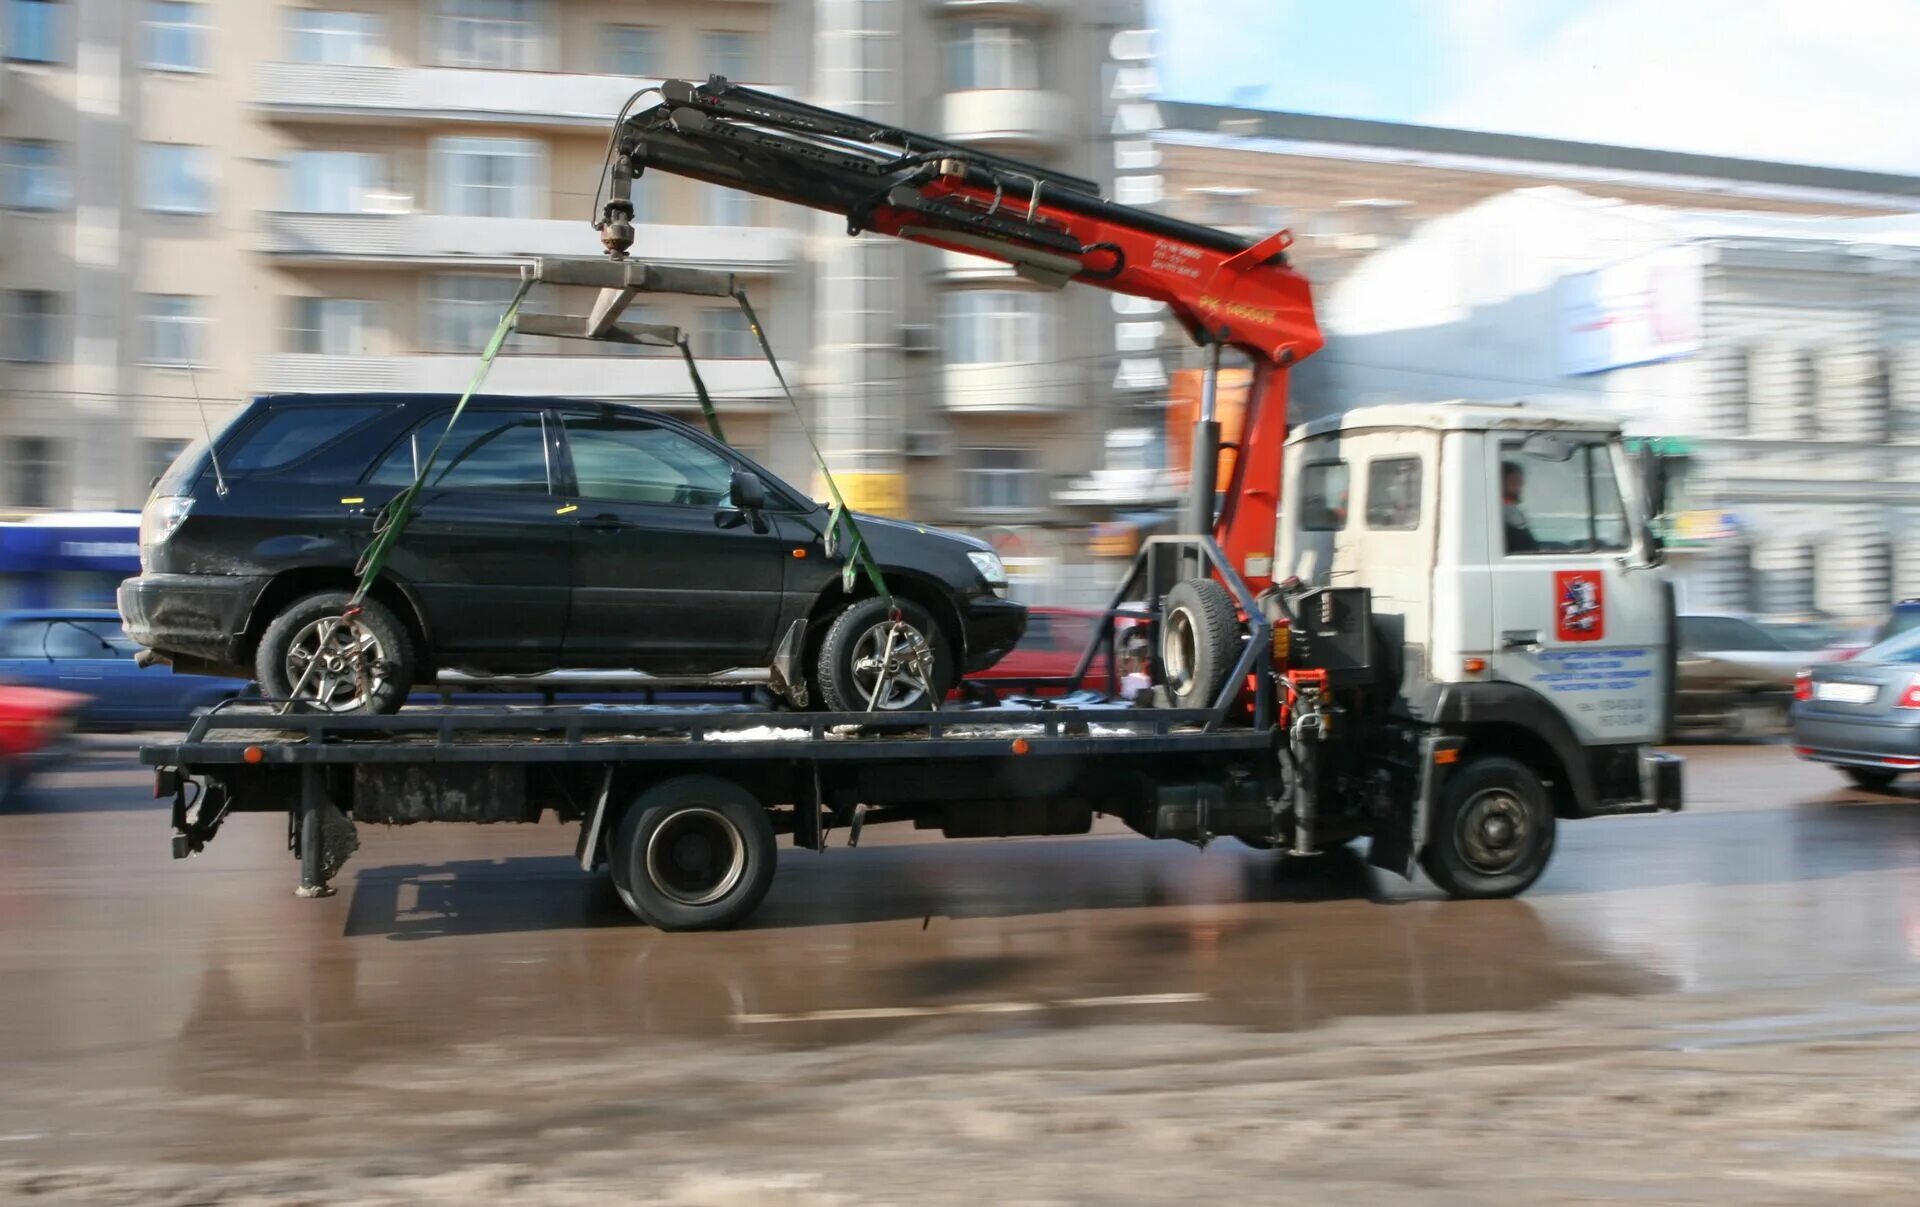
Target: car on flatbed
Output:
[(550, 534)]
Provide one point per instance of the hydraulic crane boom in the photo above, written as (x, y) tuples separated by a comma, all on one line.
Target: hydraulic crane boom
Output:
[(1051, 228)]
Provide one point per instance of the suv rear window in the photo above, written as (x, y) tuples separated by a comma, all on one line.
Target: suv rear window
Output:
[(286, 434)]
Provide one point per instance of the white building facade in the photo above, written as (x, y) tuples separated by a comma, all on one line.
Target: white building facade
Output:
[(1774, 361)]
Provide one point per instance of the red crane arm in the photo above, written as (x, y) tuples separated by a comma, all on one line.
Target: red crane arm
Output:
[(1050, 227)]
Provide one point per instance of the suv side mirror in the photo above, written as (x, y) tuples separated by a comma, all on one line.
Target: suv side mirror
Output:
[(748, 494)]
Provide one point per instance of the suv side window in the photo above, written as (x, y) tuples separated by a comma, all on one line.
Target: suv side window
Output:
[(286, 434), (626, 460), (486, 450)]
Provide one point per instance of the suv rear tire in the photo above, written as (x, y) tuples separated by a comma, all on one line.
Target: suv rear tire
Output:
[(1869, 778), (291, 641), (857, 640)]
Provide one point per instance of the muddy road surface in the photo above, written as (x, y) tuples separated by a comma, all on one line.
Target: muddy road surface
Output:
[(1717, 1005)]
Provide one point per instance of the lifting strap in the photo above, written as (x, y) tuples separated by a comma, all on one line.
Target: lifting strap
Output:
[(841, 528)]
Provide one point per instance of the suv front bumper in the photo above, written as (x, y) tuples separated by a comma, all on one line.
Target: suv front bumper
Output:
[(994, 626), (191, 615)]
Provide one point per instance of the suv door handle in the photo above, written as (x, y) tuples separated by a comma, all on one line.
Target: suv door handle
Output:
[(607, 523)]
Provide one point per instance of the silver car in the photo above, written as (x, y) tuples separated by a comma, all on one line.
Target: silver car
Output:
[(1863, 715), (1736, 673)]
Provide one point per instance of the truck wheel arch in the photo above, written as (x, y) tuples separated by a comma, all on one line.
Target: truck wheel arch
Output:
[(1518, 722)]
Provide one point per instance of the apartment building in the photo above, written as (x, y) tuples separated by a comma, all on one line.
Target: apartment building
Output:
[(205, 199)]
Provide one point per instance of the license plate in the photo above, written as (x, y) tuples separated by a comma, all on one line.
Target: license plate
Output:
[(1846, 693)]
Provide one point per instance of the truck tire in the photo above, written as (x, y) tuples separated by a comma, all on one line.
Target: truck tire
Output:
[(693, 853), (851, 652), (291, 642), (1199, 637), (1492, 830), (1869, 778)]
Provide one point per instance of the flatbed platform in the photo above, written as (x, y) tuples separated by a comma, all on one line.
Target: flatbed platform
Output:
[(256, 734)]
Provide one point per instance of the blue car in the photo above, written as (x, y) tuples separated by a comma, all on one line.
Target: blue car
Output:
[(86, 651)]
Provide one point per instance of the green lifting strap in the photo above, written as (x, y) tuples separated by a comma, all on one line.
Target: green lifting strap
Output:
[(700, 390), (395, 515), (840, 523)]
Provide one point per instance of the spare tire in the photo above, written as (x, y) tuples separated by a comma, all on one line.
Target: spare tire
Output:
[(1199, 640)]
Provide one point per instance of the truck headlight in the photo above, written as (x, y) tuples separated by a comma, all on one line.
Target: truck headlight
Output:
[(989, 565)]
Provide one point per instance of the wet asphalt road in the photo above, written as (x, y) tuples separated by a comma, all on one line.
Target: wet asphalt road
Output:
[(122, 970)]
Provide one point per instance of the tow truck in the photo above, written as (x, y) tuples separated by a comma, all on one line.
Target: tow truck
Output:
[(1455, 635)]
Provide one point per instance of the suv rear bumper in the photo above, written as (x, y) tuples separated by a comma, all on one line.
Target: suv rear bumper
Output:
[(191, 615), (994, 626)]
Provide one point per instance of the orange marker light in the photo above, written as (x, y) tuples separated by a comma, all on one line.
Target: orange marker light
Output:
[(1020, 746), (253, 754), (799, 553), (1474, 665), (1444, 757)]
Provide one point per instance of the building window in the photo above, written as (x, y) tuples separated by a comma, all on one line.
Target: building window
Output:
[(36, 31), (332, 326), (729, 53), (725, 335), (996, 327), (31, 176), (337, 38), (992, 56), (27, 325), (490, 33), (334, 182), (463, 309), (176, 38), (999, 479), (633, 50), (729, 207), (489, 177), (172, 325), (175, 179), (33, 469)]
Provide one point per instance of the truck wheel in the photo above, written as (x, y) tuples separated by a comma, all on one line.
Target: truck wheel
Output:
[(292, 644), (851, 667), (1492, 831), (1199, 636), (1870, 779), (693, 853)]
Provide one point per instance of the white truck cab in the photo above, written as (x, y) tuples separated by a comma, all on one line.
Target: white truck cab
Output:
[(1517, 595)]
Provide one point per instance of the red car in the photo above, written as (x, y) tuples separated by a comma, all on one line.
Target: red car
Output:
[(1051, 648), (34, 722)]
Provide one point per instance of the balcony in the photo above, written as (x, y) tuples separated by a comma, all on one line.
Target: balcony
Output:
[(1009, 119), (1032, 389), (438, 238), (325, 91), (736, 385)]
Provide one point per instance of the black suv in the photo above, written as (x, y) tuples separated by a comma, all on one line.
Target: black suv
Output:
[(550, 534)]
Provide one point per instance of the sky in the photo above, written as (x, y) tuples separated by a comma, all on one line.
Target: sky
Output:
[(1831, 82)]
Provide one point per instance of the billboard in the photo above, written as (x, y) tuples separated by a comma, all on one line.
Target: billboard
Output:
[(1645, 309)]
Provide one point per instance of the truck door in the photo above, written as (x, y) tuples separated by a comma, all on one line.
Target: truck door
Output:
[(1579, 615)]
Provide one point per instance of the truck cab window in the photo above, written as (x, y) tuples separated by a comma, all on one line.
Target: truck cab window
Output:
[(1323, 496), (1553, 504), (1393, 493)]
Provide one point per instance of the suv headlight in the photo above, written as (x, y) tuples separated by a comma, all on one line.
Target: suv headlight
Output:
[(990, 567), (160, 519)]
